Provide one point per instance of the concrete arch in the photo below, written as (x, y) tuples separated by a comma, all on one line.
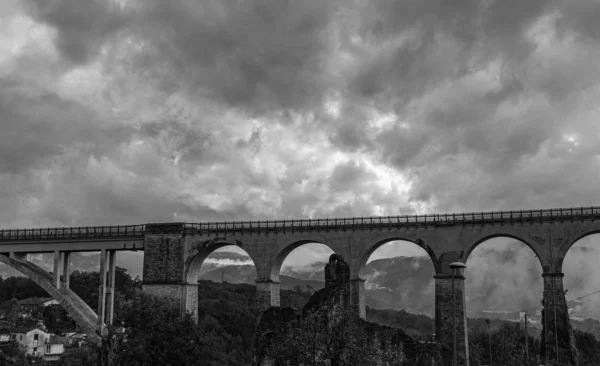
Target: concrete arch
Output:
[(287, 249), (540, 257), (85, 317), (364, 258), (199, 253)]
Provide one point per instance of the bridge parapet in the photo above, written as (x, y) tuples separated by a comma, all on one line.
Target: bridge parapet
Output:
[(319, 224), (120, 231), (380, 222)]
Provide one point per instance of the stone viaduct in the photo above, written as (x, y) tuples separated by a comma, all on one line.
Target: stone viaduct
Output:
[(174, 253)]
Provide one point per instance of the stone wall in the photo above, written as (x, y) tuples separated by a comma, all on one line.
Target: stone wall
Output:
[(267, 294), (329, 313), (163, 258)]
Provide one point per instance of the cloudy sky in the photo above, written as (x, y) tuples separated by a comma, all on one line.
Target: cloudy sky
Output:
[(135, 111), (138, 111)]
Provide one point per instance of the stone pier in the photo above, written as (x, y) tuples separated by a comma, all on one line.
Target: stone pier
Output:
[(558, 342), (445, 309)]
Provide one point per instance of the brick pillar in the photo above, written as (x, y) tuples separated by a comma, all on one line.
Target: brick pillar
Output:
[(557, 334), (443, 317), (189, 292), (357, 297), (164, 267), (267, 294)]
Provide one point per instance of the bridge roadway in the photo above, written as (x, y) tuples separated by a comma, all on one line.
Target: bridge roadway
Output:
[(174, 252)]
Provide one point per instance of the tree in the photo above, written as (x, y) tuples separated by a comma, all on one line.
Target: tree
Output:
[(12, 353), (159, 336)]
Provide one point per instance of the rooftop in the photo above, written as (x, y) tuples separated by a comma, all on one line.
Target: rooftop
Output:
[(35, 300)]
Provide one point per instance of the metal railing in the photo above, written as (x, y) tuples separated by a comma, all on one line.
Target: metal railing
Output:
[(73, 232), (352, 223)]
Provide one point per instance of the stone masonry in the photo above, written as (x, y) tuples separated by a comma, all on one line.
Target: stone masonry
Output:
[(444, 310), (174, 252), (558, 342), (327, 308)]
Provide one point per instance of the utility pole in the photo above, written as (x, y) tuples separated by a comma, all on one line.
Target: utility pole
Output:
[(454, 355), (489, 338), (526, 342)]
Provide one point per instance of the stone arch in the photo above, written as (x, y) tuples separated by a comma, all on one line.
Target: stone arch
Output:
[(201, 250), (364, 258), (287, 249), (465, 256), (564, 250), (501, 275), (85, 317), (581, 280)]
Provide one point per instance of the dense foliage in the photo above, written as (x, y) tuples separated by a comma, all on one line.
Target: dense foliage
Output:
[(228, 322)]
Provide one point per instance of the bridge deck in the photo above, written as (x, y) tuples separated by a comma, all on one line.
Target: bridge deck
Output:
[(100, 233)]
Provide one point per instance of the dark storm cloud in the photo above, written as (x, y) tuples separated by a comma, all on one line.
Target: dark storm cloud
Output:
[(37, 127), (582, 16), (477, 118), (83, 26), (255, 55)]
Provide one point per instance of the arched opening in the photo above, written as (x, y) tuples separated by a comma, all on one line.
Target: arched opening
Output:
[(503, 278), (503, 285), (300, 268), (582, 283), (84, 281), (227, 264), (398, 276), (77, 309)]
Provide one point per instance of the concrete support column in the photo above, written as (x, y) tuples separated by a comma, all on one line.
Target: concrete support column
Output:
[(57, 268), (101, 327), (357, 297), (110, 288), (267, 293), (558, 342), (189, 301), (66, 270), (450, 307)]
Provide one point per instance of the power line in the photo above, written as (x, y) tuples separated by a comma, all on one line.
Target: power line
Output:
[(581, 297)]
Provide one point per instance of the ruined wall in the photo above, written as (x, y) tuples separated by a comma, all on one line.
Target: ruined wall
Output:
[(327, 317)]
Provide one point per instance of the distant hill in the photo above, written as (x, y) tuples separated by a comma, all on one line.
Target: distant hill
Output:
[(400, 283), (392, 283)]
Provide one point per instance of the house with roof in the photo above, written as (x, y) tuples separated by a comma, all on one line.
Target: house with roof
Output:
[(4, 335), (54, 349), (39, 343), (32, 338)]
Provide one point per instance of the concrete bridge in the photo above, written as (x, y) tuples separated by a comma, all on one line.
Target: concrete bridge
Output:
[(174, 253)]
